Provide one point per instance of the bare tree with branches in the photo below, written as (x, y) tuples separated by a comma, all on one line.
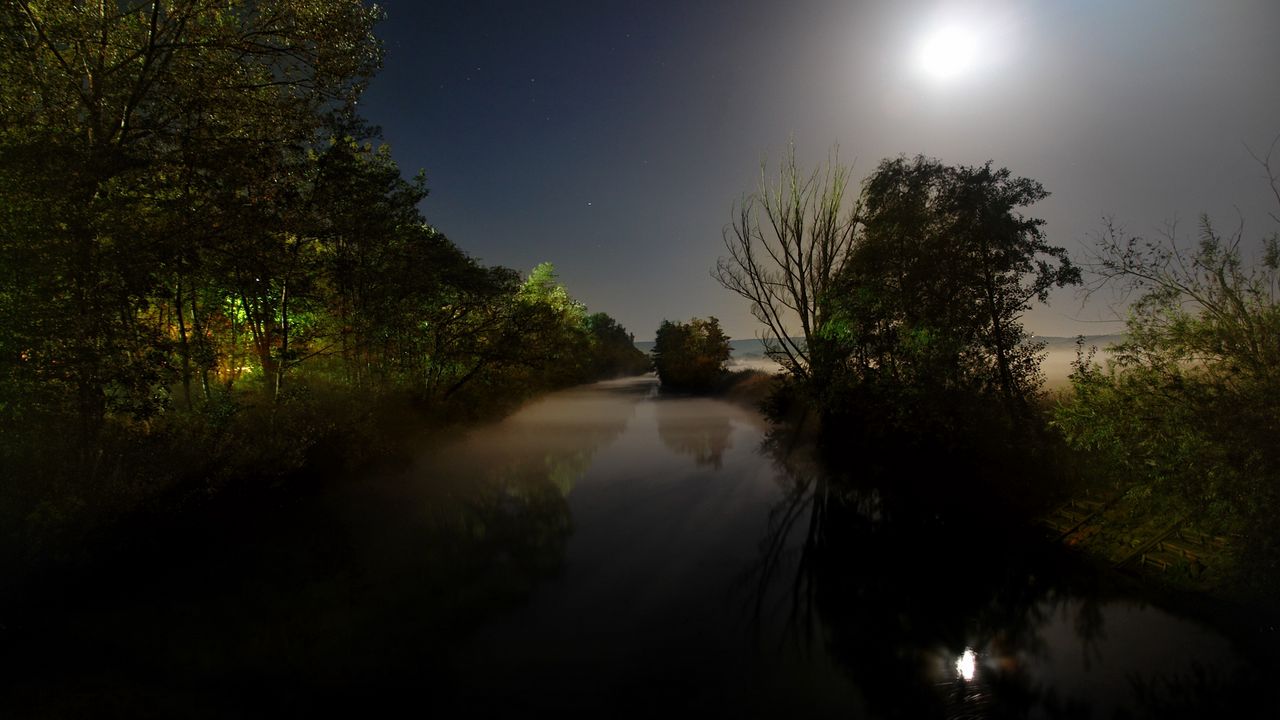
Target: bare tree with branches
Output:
[(787, 243)]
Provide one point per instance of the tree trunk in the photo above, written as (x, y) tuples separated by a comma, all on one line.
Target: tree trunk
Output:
[(198, 328), (184, 345), (261, 328), (284, 339)]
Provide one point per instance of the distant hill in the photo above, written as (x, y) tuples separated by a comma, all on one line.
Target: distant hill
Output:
[(746, 354), (1100, 341), (750, 347), (753, 347), (1060, 353)]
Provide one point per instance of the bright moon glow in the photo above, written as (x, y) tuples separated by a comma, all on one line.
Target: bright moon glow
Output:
[(967, 664), (948, 53)]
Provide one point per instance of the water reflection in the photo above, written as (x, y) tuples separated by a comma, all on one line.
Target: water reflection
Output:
[(640, 620), (934, 607), (687, 428), (337, 600), (586, 556)]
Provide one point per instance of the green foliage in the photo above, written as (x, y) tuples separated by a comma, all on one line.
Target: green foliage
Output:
[(613, 349), (1185, 412), (131, 135), (945, 265), (690, 357), (910, 298), (543, 287), (557, 342), (198, 234)]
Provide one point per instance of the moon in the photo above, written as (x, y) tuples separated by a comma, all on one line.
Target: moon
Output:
[(948, 53)]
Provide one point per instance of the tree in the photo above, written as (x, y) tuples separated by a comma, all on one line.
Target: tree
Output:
[(613, 349), (690, 356), (1186, 408), (378, 256), (121, 124), (554, 326), (945, 265), (543, 286), (432, 321), (1205, 307), (787, 244), (188, 200)]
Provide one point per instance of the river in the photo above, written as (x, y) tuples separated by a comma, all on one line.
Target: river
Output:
[(607, 550)]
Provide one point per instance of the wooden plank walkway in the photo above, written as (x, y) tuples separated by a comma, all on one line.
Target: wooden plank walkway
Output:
[(1079, 520), (1184, 547), (1071, 522)]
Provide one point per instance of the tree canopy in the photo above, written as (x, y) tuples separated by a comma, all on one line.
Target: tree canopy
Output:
[(200, 237), (1184, 413), (690, 356), (944, 268), (146, 143), (920, 285)]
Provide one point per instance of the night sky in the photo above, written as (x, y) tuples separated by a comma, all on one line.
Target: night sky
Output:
[(612, 138)]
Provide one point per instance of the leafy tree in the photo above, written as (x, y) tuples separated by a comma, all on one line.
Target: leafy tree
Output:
[(690, 356), (556, 337), (543, 286), (188, 201), (944, 267), (516, 338), (369, 228), (425, 317), (119, 124), (1184, 413), (613, 349), (1205, 307)]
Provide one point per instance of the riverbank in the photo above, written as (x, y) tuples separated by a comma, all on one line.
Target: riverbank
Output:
[(631, 513), (662, 550), (926, 539), (63, 512), (1178, 556), (1171, 549)]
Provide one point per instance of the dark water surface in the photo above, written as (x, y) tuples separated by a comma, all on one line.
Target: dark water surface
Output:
[(607, 551)]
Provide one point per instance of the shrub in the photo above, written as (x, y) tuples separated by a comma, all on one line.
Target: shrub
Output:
[(690, 357)]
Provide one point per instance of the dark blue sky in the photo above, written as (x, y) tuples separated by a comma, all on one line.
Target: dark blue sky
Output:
[(612, 138)]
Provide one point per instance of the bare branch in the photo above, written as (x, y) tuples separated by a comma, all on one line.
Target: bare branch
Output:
[(785, 246)]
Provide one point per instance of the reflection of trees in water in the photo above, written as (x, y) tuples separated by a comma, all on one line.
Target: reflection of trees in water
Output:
[(1202, 692), (897, 595), (554, 440), (360, 590), (897, 577), (704, 436), (502, 495)]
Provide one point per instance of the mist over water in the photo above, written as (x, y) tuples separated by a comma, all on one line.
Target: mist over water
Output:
[(648, 602), (1060, 353), (687, 582), (613, 551)]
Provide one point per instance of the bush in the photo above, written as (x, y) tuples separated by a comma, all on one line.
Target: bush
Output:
[(1186, 410), (690, 357)]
